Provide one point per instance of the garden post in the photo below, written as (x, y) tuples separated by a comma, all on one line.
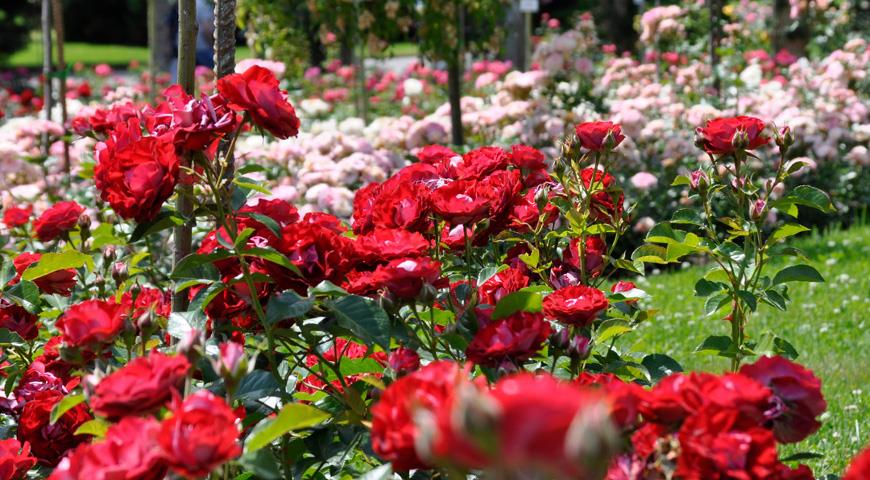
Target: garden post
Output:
[(454, 80), (715, 7), (46, 68), (187, 28), (225, 62), (57, 8)]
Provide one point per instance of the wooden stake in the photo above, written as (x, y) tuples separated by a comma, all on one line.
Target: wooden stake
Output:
[(46, 69), (225, 64), (57, 7)]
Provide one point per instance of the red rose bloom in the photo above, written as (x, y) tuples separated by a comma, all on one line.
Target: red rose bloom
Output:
[(500, 285), (799, 393), (393, 430), (57, 220), (461, 202), (256, 91), (481, 162), (60, 282), (515, 338), (592, 134), (50, 442), (718, 135), (16, 216), (135, 174), (712, 447), (385, 244), (527, 158), (600, 184), (341, 349), (129, 451), (200, 435), (15, 459), (16, 319), (148, 300), (595, 250), (141, 386), (196, 124), (625, 397), (402, 277), (622, 287), (534, 431), (403, 360), (91, 324), (860, 467), (435, 154), (577, 305), (35, 380)]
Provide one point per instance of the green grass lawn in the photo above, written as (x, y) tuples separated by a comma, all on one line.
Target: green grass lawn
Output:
[(827, 323), (120, 55), (92, 54)]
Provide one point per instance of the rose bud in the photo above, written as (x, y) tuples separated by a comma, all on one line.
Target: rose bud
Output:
[(580, 347), (784, 138), (119, 272), (698, 180), (561, 340), (740, 140), (403, 361), (187, 345), (756, 209), (232, 364), (109, 253), (592, 439)]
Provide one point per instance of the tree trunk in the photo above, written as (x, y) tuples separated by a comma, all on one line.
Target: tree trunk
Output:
[(57, 8), (362, 95), (454, 93), (46, 69), (184, 203), (225, 64), (781, 11), (345, 53), (715, 7)]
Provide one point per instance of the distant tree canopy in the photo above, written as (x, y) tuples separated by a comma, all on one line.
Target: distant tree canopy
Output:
[(17, 19)]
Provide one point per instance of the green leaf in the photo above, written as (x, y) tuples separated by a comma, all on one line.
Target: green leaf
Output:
[(716, 345), (206, 295), (705, 288), (181, 324), (809, 196), (287, 305), (650, 253), (189, 263), (801, 456), (783, 348), (294, 416), (8, 337), (384, 472), (774, 299), (273, 256), (256, 385), (612, 331), (96, 427), (787, 230), (681, 180), (688, 216), (250, 168), (327, 289), (532, 258), (488, 272), (25, 293), (519, 301), (165, 219), (63, 406), (364, 318), (715, 303), (52, 262), (249, 184), (268, 222), (749, 299), (797, 273), (262, 463), (659, 366)]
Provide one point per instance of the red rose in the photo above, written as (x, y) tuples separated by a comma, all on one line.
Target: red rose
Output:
[(674, 398), (15, 459), (35, 380), (57, 220), (461, 202), (527, 158), (385, 244), (141, 386), (16, 319), (135, 174), (594, 255), (860, 467), (341, 349), (600, 184), (16, 216), (60, 282), (625, 397), (50, 442), (479, 163), (282, 212), (525, 214), (196, 124), (91, 324), (404, 277), (435, 154), (713, 448), (622, 287), (718, 135), (799, 392), (553, 428), (403, 360), (319, 252), (593, 134), (148, 301), (53, 363), (400, 202), (394, 432), (515, 338), (129, 451), (577, 305), (500, 285), (200, 435), (256, 91)]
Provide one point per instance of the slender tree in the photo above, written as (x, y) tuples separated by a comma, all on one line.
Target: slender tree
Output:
[(57, 10), (225, 60), (187, 28), (46, 68)]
